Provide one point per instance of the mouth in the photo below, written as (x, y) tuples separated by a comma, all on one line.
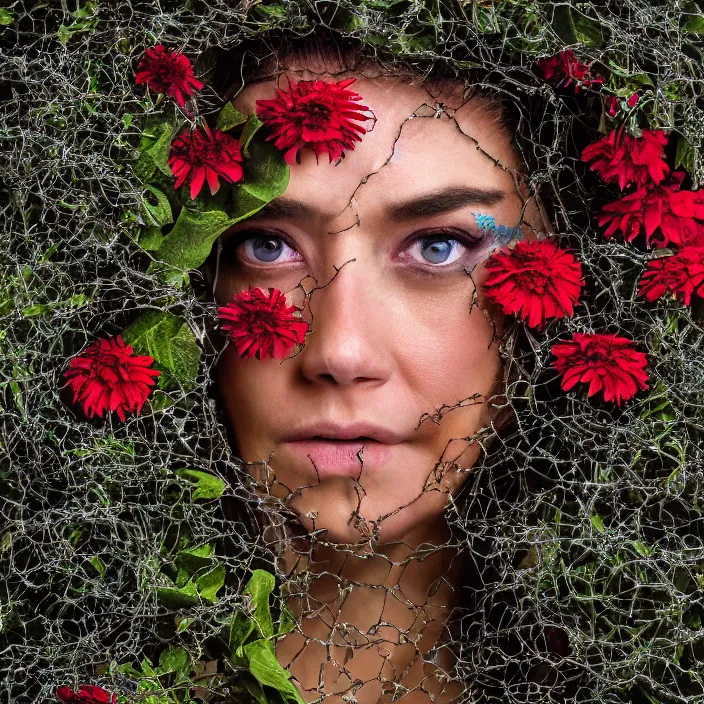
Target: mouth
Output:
[(347, 457)]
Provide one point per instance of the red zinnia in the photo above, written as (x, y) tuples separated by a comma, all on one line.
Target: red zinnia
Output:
[(167, 71), (85, 694), (682, 274), (316, 114), (262, 325), (620, 157), (611, 102), (205, 155), (568, 69), (106, 376), (677, 215), (537, 280), (607, 362)]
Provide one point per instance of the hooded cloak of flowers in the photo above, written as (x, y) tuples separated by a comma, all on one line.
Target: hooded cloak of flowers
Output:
[(677, 216), (682, 275), (625, 159), (107, 376), (536, 280), (205, 155), (607, 363), (567, 69), (261, 324), (85, 694), (316, 114), (167, 72)]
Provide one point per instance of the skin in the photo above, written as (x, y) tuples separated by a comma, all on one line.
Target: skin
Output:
[(395, 337)]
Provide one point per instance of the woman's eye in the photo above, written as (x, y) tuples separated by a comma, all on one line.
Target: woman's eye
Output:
[(437, 250), (267, 249)]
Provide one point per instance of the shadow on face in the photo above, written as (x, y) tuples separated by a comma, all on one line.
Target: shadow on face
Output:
[(367, 428)]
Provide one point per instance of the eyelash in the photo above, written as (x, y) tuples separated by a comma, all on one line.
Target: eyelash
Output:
[(439, 234)]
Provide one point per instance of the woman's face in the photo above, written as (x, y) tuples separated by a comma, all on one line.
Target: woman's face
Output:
[(402, 352)]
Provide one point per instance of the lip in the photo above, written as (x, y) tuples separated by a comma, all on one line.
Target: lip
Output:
[(339, 458), (326, 430), (333, 447)]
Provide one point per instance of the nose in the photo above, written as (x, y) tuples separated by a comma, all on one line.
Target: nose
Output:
[(350, 338)]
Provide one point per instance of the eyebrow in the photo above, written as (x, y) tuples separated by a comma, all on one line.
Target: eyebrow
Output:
[(435, 203)]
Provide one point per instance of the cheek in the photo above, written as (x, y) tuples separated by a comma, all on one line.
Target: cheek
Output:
[(447, 344)]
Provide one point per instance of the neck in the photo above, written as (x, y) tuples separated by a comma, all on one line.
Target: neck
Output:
[(412, 569)]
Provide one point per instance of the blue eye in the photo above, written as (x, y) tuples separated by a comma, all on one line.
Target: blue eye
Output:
[(437, 251), (266, 249)]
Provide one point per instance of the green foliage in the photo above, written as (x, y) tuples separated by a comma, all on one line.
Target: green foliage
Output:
[(170, 341), (230, 117), (250, 643), (170, 682), (200, 223), (207, 485), (194, 575), (85, 21)]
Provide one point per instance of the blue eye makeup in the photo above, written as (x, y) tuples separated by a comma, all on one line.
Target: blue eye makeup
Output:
[(501, 234)]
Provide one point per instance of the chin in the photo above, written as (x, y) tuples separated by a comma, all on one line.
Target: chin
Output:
[(339, 521)]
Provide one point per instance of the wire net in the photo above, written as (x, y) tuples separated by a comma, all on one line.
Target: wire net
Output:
[(580, 523)]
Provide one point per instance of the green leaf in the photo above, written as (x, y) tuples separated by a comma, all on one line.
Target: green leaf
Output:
[(250, 129), (694, 25), (241, 628), (269, 673), (211, 582), (154, 146), (175, 659), (98, 564), (286, 623), (147, 668), (642, 549), (208, 486), (159, 153), (598, 522), (690, 159), (184, 624), (158, 214), (266, 176), (169, 340), (255, 689), (259, 588), (194, 559), (151, 238), (230, 117), (6, 17), (575, 28), (189, 242), (175, 598)]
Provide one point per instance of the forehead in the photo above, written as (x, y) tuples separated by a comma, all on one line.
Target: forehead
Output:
[(419, 142)]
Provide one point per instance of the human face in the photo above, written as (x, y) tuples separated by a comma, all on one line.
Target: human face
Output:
[(387, 258)]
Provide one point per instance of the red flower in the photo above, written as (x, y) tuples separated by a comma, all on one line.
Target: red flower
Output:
[(620, 157), (607, 362), (205, 156), (85, 694), (568, 69), (537, 280), (682, 274), (611, 102), (167, 71), (633, 100), (106, 376), (677, 215), (316, 114), (262, 325)]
